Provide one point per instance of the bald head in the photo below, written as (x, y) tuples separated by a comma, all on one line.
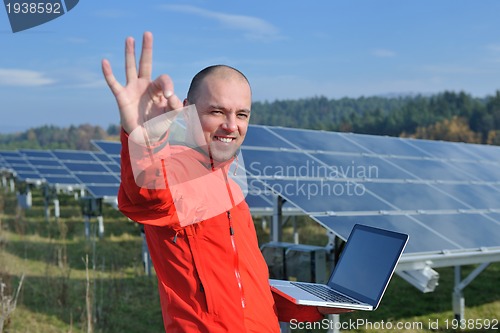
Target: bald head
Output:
[(222, 72)]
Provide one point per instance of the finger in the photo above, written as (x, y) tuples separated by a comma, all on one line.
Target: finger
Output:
[(174, 103), (146, 61), (163, 85), (130, 66), (113, 84)]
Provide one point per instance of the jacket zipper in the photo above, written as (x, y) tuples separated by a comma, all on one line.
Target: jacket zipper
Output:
[(236, 260)]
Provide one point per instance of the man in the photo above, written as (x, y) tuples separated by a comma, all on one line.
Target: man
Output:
[(211, 274)]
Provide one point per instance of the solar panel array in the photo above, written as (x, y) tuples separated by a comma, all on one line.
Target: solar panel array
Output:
[(69, 169), (445, 195)]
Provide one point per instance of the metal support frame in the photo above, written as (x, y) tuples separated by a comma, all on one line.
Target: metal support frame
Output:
[(57, 211), (276, 232), (46, 198), (12, 185), (277, 236), (146, 257), (458, 299), (24, 197), (4, 181), (92, 207)]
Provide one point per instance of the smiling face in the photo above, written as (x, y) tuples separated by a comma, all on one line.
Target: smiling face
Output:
[(223, 100)]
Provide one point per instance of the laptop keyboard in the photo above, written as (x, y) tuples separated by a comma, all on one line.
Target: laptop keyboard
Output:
[(325, 293)]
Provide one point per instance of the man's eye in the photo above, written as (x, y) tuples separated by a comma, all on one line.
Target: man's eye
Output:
[(216, 112), (243, 115)]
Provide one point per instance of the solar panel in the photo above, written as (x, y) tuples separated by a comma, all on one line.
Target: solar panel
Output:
[(484, 152), (315, 140), (444, 150), (7, 153), (114, 168), (423, 239), (84, 167), (61, 180), (75, 155), (363, 166), (43, 171), (108, 147), (385, 145), (421, 187), (16, 163), (410, 183), (28, 176), (100, 191), (37, 153), (262, 137), (68, 168), (103, 158), (97, 179)]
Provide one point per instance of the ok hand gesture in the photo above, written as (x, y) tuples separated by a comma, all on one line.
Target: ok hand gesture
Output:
[(140, 99)]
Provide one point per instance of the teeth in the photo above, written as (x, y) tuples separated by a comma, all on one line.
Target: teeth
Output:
[(225, 140)]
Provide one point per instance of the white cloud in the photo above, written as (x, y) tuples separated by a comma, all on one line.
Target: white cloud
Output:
[(253, 27), (383, 53), (23, 78)]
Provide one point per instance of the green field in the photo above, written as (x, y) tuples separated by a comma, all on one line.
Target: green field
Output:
[(116, 296)]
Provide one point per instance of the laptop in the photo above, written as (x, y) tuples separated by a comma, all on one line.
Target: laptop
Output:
[(360, 277)]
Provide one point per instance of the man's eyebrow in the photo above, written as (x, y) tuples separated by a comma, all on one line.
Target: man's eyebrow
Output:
[(219, 107)]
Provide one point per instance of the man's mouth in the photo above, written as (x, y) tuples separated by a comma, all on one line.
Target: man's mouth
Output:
[(224, 139)]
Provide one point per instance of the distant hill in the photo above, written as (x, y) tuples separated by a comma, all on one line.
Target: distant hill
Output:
[(53, 137), (449, 116)]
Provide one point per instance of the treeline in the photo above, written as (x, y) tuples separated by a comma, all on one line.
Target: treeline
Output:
[(449, 116), (446, 116), (53, 137)]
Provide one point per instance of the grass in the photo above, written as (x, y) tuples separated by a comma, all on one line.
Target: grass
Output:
[(123, 299)]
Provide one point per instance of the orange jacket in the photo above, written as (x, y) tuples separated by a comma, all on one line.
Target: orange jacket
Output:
[(211, 275)]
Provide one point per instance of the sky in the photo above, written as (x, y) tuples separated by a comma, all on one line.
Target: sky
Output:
[(51, 74)]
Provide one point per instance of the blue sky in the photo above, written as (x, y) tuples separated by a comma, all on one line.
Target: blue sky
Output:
[(51, 74)]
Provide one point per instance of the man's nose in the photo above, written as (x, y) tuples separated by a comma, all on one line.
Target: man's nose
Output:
[(230, 124)]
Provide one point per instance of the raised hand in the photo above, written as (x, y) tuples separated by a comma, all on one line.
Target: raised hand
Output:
[(140, 99)]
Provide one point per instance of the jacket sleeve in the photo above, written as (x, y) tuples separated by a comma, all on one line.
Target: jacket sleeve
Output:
[(144, 204)]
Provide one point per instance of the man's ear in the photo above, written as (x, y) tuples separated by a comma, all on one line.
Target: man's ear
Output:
[(185, 102)]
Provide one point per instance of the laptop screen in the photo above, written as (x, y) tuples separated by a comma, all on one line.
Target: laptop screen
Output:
[(367, 263)]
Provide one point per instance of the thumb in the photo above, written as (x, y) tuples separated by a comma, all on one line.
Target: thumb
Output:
[(173, 102)]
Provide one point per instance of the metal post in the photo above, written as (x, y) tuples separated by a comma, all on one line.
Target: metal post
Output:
[(100, 221), (57, 212), (46, 203), (29, 198), (333, 326), (458, 300), (277, 236), (86, 221), (276, 232), (98, 210), (146, 258), (295, 230)]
